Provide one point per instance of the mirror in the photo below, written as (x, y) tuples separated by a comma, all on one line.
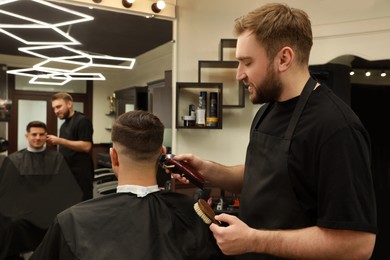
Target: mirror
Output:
[(113, 33)]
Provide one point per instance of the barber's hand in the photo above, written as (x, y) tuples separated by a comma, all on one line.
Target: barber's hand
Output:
[(52, 139), (192, 160), (234, 239)]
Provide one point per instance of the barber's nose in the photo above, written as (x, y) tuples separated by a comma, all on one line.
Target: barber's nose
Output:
[(240, 75)]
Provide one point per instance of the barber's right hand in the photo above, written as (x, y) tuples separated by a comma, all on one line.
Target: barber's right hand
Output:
[(190, 159), (52, 139)]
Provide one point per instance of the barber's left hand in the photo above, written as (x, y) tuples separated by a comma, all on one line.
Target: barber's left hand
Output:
[(233, 239)]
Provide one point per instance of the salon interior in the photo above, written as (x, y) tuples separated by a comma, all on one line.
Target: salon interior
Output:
[(160, 57)]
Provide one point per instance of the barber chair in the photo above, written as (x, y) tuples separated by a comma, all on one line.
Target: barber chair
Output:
[(105, 182)]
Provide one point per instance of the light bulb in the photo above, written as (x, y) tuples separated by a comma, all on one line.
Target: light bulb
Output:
[(160, 4)]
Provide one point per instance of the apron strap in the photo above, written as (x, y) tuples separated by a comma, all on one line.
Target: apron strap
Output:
[(260, 115), (307, 90)]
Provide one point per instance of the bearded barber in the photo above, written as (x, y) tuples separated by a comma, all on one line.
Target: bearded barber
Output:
[(75, 141)]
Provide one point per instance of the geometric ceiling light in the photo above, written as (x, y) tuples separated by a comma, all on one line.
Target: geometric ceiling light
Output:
[(69, 63), (68, 55), (157, 7), (66, 38), (85, 61), (50, 77), (51, 51), (64, 15), (99, 61), (47, 80), (54, 51), (64, 65), (12, 21), (63, 78)]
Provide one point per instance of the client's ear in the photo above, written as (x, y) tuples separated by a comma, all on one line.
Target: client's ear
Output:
[(114, 157), (163, 150)]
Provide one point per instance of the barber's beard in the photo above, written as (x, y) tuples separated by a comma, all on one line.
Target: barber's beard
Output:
[(269, 90), (65, 115)]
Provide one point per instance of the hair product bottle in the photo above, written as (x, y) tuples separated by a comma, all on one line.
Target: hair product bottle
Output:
[(201, 110), (212, 119)]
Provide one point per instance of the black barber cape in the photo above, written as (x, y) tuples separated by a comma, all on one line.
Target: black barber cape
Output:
[(161, 225), (36, 186)]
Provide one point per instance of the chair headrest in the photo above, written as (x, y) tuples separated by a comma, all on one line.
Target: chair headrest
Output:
[(3, 145)]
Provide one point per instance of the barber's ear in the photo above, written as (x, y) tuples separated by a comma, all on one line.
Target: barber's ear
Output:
[(69, 104), (114, 157), (286, 56)]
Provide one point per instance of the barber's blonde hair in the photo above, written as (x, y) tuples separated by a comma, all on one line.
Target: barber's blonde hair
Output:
[(276, 26), (62, 95)]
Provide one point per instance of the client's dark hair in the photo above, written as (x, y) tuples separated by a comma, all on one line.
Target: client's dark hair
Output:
[(38, 124), (140, 134)]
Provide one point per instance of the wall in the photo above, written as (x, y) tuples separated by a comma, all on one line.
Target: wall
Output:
[(360, 28)]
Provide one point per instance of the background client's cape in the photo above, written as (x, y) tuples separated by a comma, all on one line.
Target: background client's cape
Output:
[(36, 187)]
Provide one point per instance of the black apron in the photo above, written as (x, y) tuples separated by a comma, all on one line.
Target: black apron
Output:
[(80, 163), (268, 200)]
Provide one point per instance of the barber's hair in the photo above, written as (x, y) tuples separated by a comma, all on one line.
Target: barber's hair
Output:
[(276, 26), (37, 124), (62, 95), (140, 135)]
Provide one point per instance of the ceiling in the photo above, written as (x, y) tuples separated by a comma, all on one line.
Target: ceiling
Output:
[(110, 33)]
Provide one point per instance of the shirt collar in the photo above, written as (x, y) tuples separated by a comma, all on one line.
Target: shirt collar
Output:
[(34, 150), (140, 191)]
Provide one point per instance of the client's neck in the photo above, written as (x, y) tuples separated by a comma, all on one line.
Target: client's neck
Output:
[(137, 174)]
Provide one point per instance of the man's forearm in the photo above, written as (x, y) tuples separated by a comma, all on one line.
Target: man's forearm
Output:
[(79, 146), (229, 178), (314, 243)]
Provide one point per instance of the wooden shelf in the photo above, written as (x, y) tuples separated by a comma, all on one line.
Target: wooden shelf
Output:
[(187, 93), (110, 114), (226, 44), (225, 72)]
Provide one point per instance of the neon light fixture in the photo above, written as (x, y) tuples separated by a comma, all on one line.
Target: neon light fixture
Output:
[(37, 23), (35, 51), (63, 78), (93, 60), (40, 24), (50, 77), (72, 62)]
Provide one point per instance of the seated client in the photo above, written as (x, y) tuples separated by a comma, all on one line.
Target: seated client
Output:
[(139, 221), (35, 185)]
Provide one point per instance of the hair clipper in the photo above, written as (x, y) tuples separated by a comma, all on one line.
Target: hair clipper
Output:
[(167, 161)]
